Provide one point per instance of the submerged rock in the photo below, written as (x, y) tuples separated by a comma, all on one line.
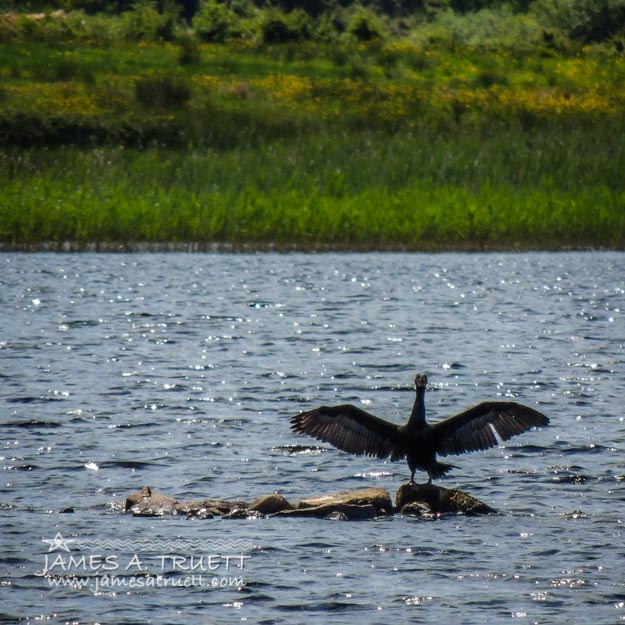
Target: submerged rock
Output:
[(194, 509), (200, 514), (222, 507), (190, 507), (148, 503), (438, 499), (376, 497), (237, 513), (417, 508), (334, 511)]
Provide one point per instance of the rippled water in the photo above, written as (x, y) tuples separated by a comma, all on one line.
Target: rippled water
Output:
[(181, 372)]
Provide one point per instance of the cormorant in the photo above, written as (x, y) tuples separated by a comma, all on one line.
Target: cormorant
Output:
[(358, 432)]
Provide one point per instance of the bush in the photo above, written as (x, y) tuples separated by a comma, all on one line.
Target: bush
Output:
[(328, 26), (215, 21), (490, 28), (365, 25), (146, 23), (162, 91), (8, 30), (278, 27), (488, 78), (50, 28), (189, 49), (588, 20)]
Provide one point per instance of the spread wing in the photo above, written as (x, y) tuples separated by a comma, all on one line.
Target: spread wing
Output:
[(351, 429), (475, 428)]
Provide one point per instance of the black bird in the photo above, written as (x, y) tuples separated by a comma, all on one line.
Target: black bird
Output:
[(357, 432)]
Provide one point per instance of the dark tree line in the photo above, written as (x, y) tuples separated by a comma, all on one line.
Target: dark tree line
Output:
[(188, 8), (582, 20)]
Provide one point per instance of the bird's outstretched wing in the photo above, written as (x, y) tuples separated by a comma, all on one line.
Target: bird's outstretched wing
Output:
[(472, 429), (351, 429)]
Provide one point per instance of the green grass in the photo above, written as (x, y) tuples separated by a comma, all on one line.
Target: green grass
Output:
[(308, 145), (354, 191)]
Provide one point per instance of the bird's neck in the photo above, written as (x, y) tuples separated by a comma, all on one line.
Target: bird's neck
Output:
[(417, 416)]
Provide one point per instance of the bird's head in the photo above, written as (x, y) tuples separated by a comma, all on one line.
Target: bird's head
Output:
[(421, 380)]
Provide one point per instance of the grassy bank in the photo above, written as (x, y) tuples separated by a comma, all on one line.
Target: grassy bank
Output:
[(352, 190), (380, 145)]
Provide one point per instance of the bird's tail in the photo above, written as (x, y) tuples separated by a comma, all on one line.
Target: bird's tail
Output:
[(440, 468)]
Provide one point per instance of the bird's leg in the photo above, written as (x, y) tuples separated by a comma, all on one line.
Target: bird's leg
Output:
[(412, 476)]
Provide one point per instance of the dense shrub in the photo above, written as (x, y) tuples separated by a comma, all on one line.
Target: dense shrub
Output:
[(146, 22), (588, 20), (488, 28), (215, 21), (8, 30), (279, 27), (365, 25), (329, 25), (168, 91), (189, 49)]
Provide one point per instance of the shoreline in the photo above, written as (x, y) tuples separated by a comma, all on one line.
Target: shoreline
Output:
[(211, 247)]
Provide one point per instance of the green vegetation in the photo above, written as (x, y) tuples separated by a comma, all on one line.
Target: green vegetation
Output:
[(358, 192), (442, 128)]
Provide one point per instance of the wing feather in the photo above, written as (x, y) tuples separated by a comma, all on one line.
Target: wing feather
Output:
[(351, 429), (475, 428)]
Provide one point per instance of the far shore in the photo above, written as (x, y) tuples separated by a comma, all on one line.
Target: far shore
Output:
[(110, 247)]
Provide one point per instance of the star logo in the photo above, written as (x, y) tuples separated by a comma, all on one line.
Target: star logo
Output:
[(58, 542)]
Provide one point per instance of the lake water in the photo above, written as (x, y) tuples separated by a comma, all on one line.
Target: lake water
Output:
[(181, 371)]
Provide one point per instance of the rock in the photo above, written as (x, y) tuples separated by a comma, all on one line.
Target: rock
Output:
[(222, 507), (194, 509), (208, 508), (376, 497), (236, 513), (350, 512), (270, 504), (200, 514), (439, 499), (148, 503), (135, 498), (337, 516), (467, 504), (417, 508), (252, 514), (363, 503), (190, 507)]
